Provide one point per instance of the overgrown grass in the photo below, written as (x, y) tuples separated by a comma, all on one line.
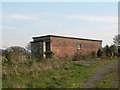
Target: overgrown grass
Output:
[(48, 73), (61, 78)]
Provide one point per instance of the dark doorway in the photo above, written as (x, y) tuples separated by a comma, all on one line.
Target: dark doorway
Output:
[(47, 46)]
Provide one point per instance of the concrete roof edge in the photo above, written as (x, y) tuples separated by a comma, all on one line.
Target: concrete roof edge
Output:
[(66, 37)]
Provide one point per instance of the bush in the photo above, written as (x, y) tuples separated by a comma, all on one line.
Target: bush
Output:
[(113, 50), (15, 54), (93, 54), (4, 60), (99, 53), (107, 50), (110, 50), (118, 50), (117, 54), (77, 57), (49, 54)]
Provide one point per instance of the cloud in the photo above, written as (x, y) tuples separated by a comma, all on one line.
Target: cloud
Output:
[(106, 19), (22, 17)]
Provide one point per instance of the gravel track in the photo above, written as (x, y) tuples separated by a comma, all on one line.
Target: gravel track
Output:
[(100, 74)]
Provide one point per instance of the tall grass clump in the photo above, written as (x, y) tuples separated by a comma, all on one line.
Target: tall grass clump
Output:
[(17, 61), (77, 56)]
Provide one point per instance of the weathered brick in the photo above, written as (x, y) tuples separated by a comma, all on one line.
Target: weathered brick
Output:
[(66, 46)]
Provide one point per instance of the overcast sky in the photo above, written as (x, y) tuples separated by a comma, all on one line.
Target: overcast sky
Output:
[(92, 20)]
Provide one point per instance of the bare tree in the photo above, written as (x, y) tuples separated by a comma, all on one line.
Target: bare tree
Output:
[(116, 40)]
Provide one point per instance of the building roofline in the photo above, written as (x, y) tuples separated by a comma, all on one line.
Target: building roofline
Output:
[(66, 37)]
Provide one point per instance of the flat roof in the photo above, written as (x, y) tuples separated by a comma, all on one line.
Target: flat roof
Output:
[(66, 37)]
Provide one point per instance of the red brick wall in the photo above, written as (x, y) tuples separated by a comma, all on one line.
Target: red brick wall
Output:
[(68, 47)]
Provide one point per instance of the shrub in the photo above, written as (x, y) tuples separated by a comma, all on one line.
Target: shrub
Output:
[(113, 50), (49, 54), (4, 60), (107, 50), (15, 54), (110, 50), (77, 57), (99, 53), (93, 54), (118, 50), (117, 54), (85, 57)]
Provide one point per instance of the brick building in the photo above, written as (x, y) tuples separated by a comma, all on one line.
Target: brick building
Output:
[(64, 46)]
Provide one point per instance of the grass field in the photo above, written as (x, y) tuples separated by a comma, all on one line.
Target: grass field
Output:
[(68, 74)]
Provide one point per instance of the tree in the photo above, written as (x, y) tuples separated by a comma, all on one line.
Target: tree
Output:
[(113, 49), (17, 49), (110, 50), (107, 50), (116, 40)]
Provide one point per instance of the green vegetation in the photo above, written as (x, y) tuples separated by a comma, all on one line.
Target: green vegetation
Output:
[(110, 50), (21, 70), (49, 74), (99, 53), (49, 54)]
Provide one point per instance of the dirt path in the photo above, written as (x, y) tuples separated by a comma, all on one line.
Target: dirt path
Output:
[(100, 74)]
